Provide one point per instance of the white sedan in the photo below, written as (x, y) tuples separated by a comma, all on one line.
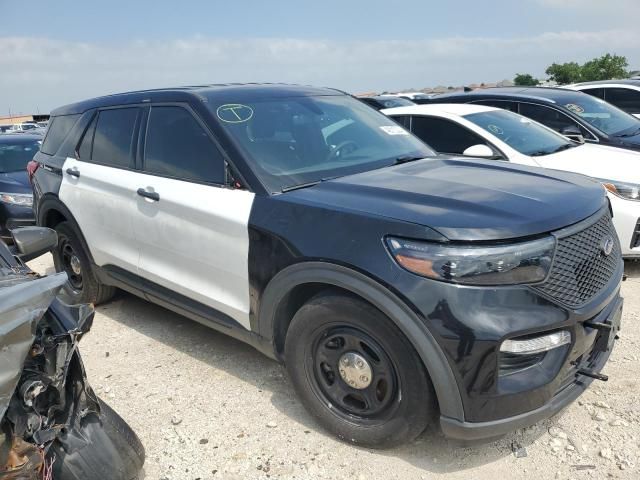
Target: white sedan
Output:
[(487, 132)]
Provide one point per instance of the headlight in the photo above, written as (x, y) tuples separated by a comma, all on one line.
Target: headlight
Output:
[(628, 191), (22, 199), (516, 263)]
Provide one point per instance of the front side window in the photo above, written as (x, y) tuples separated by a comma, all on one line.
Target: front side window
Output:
[(626, 99), (594, 92), (113, 138), (177, 146), (552, 118), (504, 104), (296, 141), (520, 133), (15, 155), (444, 135)]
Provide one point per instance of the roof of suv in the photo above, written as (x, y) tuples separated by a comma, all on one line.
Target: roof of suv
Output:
[(228, 91), (531, 93), (626, 81)]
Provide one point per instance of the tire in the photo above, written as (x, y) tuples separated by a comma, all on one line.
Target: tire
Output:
[(331, 341), (70, 257), (100, 448)]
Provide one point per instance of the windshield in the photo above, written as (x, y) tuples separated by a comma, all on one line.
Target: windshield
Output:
[(520, 133), (301, 140), (392, 102), (604, 116), (15, 156)]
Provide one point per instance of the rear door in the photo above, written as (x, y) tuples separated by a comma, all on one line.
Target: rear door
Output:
[(98, 186), (192, 227)]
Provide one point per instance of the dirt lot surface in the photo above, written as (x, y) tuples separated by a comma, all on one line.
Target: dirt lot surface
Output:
[(209, 407)]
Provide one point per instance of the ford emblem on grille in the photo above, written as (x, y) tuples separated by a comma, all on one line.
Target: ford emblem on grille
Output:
[(607, 245)]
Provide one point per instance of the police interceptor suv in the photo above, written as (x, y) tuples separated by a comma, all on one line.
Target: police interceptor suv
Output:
[(399, 288)]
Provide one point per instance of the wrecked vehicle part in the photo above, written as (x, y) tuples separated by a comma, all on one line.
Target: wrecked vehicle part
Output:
[(52, 424)]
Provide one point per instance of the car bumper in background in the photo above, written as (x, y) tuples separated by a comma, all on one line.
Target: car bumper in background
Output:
[(626, 218)]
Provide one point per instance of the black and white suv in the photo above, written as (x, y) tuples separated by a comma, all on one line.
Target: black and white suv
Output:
[(307, 224)]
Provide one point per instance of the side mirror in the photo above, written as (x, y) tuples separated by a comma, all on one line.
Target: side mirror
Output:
[(480, 150), (573, 133), (31, 242)]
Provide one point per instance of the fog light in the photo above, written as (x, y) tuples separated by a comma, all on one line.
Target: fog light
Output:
[(536, 344)]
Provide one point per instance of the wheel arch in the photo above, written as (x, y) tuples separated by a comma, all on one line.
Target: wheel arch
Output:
[(294, 285), (52, 211)]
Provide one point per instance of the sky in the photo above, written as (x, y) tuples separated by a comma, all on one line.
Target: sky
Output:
[(57, 52)]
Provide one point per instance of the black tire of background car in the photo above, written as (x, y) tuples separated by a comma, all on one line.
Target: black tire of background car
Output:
[(414, 409), (108, 449), (92, 290)]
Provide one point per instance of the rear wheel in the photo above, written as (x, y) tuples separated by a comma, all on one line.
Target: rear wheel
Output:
[(69, 256), (357, 373)]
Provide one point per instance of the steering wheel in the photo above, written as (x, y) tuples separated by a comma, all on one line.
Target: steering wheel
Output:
[(337, 151)]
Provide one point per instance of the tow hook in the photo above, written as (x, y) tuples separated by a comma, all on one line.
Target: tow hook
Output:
[(597, 376)]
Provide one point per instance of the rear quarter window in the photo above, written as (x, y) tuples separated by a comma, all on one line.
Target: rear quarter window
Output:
[(59, 128)]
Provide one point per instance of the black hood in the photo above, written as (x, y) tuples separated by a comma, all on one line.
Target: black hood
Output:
[(464, 199), (632, 143)]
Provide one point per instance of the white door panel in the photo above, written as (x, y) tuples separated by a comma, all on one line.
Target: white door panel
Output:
[(195, 241), (103, 202)]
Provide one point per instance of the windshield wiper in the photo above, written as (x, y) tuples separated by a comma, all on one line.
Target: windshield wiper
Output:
[(308, 184), (566, 146), (631, 134), (407, 159)]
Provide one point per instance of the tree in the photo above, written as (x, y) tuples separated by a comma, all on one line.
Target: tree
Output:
[(606, 67), (569, 72), (525, 80)]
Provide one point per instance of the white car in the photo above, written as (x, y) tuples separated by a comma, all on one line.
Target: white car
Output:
[(624, 94), (487, 132)]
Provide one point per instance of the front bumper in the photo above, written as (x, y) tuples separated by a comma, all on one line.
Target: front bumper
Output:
[(626, 219), (571, 387)]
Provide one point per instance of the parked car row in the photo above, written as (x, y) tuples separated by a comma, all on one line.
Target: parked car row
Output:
[(497, 134), (398, 286)]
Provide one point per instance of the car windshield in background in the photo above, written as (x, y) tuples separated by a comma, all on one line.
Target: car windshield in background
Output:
[(303, 140), (393, 102), (14, 156), (520, 133), (604, 116)]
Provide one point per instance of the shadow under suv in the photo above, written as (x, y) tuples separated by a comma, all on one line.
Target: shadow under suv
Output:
[(394, 285)]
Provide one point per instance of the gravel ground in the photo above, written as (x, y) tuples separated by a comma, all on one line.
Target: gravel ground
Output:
[(209, 407)]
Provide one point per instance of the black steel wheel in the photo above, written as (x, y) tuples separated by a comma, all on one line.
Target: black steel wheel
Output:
[(70, 257), (352, 372), (356, 373)]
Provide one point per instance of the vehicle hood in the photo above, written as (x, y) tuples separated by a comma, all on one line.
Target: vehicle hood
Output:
[(465, 200), (597, 161), (15, 182)]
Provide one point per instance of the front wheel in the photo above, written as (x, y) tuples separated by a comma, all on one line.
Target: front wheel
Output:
[(69, 256), (357, 373)]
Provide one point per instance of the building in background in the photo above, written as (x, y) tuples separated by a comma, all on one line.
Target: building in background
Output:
[(13, 119)]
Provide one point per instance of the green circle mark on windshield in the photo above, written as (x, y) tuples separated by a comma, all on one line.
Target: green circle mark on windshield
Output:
[(234, 113)]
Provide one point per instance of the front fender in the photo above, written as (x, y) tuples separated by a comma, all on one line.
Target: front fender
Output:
[(384, 300)]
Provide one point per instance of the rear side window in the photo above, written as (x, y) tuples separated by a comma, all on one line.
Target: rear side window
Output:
[(113, 138), (59, 128), (177, 146), (444, 135), (84, 150), (624, 98)]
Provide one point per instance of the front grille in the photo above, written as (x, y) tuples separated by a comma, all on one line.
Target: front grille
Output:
[(635, 240), (580, 268)]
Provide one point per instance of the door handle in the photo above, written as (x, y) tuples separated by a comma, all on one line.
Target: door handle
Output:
[(74, 172), (152, 195)]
